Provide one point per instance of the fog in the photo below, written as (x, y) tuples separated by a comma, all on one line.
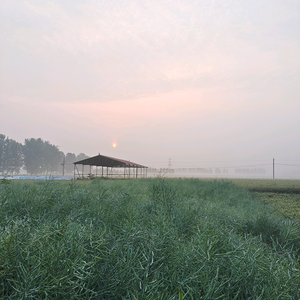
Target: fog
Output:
[(208, 84)]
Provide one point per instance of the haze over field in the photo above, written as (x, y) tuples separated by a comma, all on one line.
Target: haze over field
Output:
[(195, 81)]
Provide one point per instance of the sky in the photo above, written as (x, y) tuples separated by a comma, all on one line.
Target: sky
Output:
[(194, 81)]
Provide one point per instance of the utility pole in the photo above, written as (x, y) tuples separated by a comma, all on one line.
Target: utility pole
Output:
[(273, 168), (63, 164)]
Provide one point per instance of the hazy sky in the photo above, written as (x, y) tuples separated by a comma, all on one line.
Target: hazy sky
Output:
[(187, 80)]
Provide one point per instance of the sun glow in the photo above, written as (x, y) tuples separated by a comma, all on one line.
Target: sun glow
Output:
[(114, 145)]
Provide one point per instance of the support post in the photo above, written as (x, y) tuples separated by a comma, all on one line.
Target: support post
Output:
[(273, 168)]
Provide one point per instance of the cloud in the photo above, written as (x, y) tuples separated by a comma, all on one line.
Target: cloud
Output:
[(124, 50)]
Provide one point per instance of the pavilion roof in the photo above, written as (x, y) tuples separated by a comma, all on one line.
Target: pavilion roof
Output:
[(106, 161)]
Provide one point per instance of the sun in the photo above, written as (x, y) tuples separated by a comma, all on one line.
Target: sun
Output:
[(114, 145)]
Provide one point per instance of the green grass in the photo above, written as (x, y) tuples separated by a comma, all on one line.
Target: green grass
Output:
[(288, 186), (288, 205), (144, 239), (284, 195)]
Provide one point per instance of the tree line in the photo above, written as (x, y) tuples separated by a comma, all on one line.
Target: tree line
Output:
[(36, 156)]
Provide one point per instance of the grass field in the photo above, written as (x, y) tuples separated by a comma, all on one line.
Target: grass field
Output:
[(147, 239), (269, 185), (284, 195)]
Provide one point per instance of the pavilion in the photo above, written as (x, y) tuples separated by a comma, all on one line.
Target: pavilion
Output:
[(105, 166)]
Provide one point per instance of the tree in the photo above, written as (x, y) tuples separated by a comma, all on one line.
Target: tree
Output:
[(81, 156), (70, 158), (52, 157), (14, 156), (40, 156), (11, 155), (2, 152), (33, 155), (218, 171), (62, 161)]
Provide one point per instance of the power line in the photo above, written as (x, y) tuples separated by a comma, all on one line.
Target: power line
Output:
[(288, 165)]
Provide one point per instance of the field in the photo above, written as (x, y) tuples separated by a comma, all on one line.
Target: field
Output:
[(284, 195), (149, 239)]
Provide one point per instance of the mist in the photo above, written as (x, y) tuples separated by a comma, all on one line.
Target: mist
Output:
[(209, 85)]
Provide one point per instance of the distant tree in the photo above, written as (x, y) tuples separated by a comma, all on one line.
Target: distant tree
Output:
[(52, 157), (11, 155), (69, 159), (2, 152), (41, 157), (61, 155), (14, 156), (62, 162), (33, 155), (218, 171), (81, 156)]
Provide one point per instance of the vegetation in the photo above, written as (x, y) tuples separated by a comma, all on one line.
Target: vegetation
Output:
[(40, 156), (288, 205), (144, 239), (36, 156), (70, 158), (286, 186), (11, 155), (284, 195)]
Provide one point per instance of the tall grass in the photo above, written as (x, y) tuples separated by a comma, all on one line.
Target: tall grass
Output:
[(144, 239)]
